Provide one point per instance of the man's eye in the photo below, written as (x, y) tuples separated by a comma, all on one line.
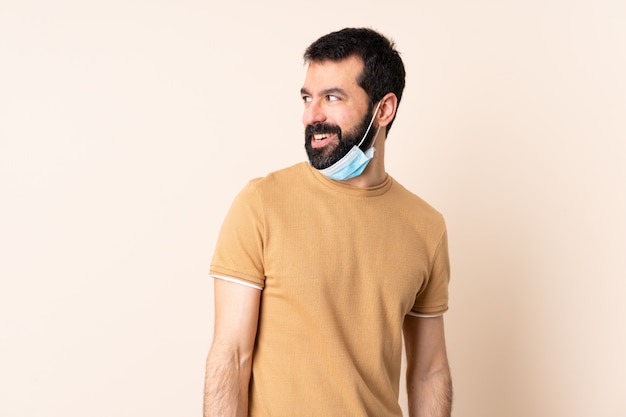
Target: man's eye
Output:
[(332, 98), (306, 99)]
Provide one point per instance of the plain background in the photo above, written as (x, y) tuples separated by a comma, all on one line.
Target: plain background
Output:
[(127, 127)]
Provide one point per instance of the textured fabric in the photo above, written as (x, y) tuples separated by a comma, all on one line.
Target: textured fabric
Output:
[(340, 268)]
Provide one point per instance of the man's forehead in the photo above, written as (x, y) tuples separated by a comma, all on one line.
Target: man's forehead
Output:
[(327, 74), (350, 64)]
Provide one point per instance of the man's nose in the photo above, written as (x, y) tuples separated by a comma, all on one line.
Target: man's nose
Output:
[(313, 113)]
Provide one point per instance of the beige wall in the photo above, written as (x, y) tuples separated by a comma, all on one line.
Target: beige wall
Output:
[(126, 128)]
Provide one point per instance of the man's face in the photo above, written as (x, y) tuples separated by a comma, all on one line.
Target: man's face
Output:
[(335, 110)]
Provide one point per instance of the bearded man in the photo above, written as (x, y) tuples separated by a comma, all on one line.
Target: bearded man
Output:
[(321, 268)]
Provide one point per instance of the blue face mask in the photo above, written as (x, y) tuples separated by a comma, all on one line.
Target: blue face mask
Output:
[(354, 162)]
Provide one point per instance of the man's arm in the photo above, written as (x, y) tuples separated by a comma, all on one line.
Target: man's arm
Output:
[(428, 380), (230, 359)]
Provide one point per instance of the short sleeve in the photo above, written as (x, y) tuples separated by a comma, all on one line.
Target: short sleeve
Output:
[(239, 249), (432, 300)]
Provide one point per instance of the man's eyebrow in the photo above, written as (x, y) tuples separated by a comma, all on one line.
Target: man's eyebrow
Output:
[(333, 90)]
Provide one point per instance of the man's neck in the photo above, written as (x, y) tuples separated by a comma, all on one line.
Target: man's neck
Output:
[(374, 174)]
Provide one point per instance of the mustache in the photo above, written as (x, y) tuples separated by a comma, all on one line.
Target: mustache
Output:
[(311, 130)]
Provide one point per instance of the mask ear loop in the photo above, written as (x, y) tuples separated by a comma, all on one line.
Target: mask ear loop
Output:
[(370, 125)]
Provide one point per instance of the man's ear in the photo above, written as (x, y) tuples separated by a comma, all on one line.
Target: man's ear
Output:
[(387, 110)]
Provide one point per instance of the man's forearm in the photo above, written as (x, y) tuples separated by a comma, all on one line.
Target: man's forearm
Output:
[(431, 396), (226, 384)]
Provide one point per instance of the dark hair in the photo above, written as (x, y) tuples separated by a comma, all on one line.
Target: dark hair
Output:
[(383, 70)]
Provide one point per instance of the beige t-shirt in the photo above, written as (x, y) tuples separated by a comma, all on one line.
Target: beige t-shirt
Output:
[(340, 268)]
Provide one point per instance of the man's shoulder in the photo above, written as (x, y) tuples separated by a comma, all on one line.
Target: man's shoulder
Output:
[(288, 173), (416, 202), (282, 180)]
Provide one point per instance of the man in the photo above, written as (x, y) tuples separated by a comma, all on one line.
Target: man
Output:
[(320, 268)]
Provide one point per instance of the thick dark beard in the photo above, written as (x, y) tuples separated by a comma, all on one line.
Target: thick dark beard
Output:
[(321, 158)]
